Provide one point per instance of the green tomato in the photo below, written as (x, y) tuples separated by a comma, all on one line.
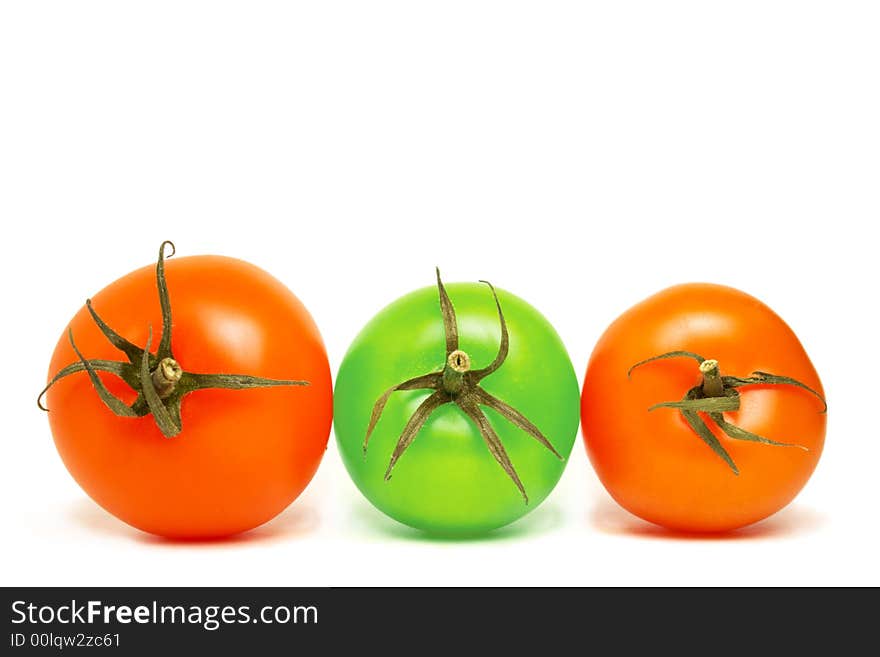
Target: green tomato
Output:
[(450, 478)]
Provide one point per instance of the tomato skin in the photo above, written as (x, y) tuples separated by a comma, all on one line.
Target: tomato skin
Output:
[(243, 455), (652, 463), (447, 481)]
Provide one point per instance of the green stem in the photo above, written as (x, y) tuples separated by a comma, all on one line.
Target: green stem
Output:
[(457, 365), (716, 395), (159, 381), (713, 386)]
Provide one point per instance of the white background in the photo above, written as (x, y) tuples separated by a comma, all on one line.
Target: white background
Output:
[(582, 155)]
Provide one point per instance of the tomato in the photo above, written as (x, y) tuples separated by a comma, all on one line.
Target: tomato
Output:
[(747, 438), (479, 437), (233, 458)]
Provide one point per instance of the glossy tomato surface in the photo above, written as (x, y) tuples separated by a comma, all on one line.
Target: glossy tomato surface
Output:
[(448, 481), (652, 462), (243, 455)]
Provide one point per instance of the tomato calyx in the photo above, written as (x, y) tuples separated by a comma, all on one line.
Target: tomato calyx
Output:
[(158, 379), (717, 394), (458, 384)]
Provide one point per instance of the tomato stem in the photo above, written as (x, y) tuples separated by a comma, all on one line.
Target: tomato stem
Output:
[(719, 394), (713, 386), (159, 380), (166, 376), (457, 364)]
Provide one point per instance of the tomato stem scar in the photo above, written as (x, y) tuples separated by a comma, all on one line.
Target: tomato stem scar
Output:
[(717, 394), (158, 379)]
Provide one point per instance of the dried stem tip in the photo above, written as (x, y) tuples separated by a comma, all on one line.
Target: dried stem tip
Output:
[(712, 383), (459, 361), (166, 376), (708, 366)]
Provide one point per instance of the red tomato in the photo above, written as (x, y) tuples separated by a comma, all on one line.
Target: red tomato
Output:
[(653, 462), (241, 456)]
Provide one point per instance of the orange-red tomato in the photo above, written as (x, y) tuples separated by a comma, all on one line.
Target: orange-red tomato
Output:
[(242, 455), (652, 462)]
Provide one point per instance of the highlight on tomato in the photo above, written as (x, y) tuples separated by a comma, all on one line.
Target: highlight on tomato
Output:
[(456, 408), (701, 411), (219, 428)]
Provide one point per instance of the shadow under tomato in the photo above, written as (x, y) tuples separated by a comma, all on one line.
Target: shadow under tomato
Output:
[(296, 520), (545, 518), (609, 518)]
